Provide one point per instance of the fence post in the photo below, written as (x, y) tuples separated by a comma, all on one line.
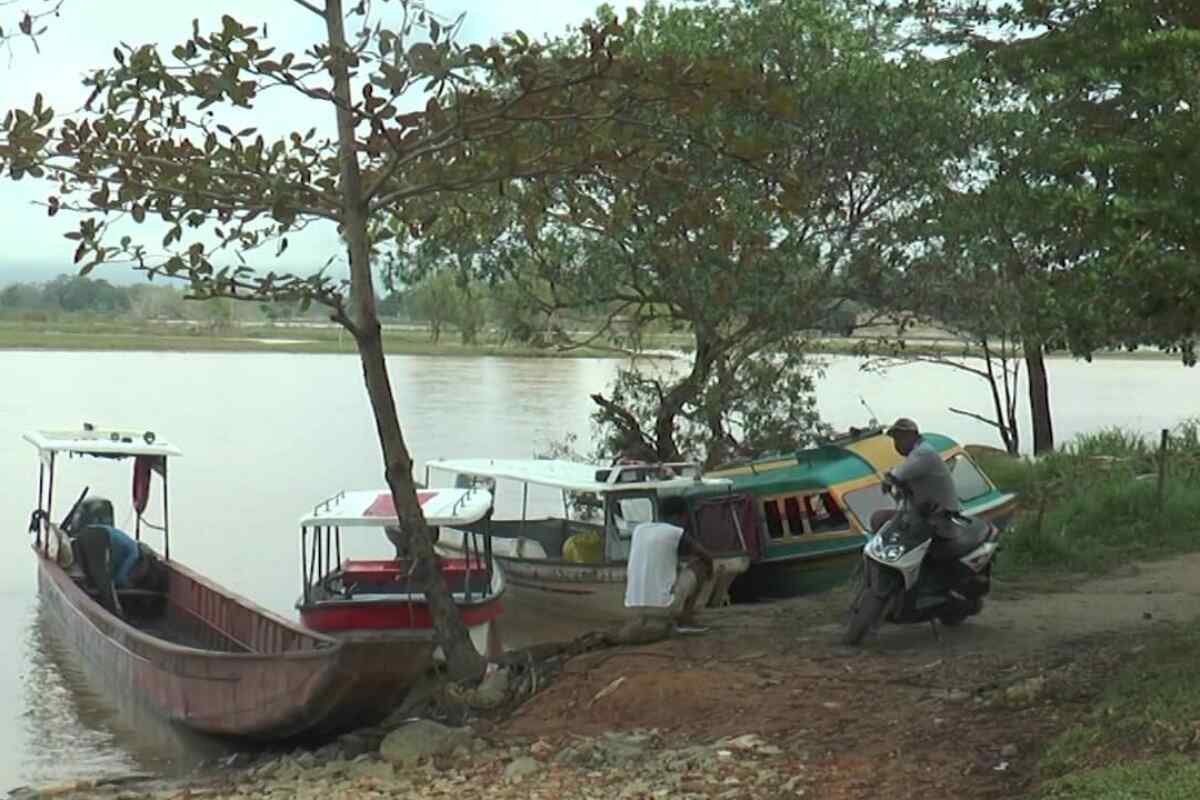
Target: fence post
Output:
[(1163, 447)]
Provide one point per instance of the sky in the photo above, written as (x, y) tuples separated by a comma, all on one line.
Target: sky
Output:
[(82, 38)]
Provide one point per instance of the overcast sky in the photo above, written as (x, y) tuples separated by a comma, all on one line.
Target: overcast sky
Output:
[(31, 244)]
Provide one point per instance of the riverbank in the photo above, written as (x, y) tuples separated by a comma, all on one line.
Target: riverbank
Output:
[(1083, 693), (104, 334)]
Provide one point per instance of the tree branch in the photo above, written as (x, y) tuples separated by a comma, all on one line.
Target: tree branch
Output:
[(320, 12)]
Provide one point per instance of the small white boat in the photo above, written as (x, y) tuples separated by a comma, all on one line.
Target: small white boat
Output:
[(567, 572), (377, 599)]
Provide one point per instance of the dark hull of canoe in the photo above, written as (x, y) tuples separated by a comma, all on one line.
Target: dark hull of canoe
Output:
[(220, 665)]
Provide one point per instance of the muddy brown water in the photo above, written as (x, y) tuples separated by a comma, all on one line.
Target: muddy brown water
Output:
[(267, 435)]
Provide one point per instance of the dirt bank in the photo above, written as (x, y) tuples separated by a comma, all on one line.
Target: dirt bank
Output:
[(767, 704)]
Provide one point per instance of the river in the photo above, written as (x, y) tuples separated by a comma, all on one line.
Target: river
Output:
[(265, 436)]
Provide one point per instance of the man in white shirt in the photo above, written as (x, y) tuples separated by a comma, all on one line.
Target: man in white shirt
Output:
[(668, 574)]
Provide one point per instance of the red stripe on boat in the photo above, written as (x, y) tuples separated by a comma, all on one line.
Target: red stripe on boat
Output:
[(350, 616), (384, 507)]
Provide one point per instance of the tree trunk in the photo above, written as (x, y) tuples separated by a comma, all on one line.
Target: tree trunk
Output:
[(1039, 397), (462, 659), (674, 401)]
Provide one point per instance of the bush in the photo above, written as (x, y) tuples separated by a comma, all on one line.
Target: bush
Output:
[(1095, 502)]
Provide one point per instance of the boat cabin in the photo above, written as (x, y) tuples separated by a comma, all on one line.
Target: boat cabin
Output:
[(73, 542), (825, 495), (600, 506), (345, 595)]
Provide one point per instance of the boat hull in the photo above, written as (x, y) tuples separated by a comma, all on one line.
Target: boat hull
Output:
[(789, 577), (553, 600), (243, 672)]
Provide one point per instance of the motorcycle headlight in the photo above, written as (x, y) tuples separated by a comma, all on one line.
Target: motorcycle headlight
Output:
[(892, 552)]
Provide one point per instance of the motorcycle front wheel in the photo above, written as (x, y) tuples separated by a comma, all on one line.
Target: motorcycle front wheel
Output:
[(865, 612)]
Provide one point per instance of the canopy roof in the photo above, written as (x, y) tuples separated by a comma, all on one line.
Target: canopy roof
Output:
[(374, 508), (118, 442), (573, 476), (820, 468)]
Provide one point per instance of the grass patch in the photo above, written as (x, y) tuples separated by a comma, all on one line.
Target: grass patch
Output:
[(1096, 503), (1144, 717), (1168, 778)]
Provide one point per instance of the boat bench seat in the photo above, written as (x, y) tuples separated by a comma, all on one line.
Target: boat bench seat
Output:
[(393, 577), (123, 593)]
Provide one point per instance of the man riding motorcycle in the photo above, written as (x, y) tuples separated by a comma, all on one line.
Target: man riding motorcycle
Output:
[(923, 473), (930, 563)]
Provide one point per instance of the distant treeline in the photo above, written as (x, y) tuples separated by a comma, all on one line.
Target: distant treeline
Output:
[(75, 294)]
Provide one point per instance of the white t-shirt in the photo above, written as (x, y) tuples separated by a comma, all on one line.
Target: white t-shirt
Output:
[(652, 563)]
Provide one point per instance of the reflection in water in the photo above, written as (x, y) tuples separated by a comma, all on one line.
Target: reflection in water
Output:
[(81, 729)]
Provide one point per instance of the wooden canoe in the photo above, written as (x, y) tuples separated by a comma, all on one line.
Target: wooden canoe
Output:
[(216, 663)]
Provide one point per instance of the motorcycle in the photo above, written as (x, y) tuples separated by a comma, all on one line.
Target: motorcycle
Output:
[(923, 565)]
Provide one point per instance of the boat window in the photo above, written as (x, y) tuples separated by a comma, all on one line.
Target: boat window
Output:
[(628, 512), (795, 517), (719, 524), (866, 501), (824, 513), (774, 523), (969, 482)]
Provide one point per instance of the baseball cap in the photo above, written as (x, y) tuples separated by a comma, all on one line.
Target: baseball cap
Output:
[(903, 424)]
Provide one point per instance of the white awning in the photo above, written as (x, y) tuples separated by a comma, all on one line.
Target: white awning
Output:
[(373, 508), (573, 476), (102, 441)]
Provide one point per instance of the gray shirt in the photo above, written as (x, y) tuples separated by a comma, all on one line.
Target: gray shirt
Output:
[(927, 475)]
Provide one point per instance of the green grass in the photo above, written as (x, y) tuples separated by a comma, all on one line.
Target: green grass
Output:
[(1167, 778), (1095, 503), (1128, 744)]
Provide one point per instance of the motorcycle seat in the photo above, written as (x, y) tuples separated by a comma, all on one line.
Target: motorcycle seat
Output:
[(961, 535)]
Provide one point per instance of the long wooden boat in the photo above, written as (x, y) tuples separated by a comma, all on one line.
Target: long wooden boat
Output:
[(194, 652), (566, 571), (376, 599), (815, 507)]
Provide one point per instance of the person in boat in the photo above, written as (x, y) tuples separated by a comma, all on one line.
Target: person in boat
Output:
[(922, 471), (111, 559), (669, 573)]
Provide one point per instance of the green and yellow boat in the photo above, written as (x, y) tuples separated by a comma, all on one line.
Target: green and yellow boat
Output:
[(815, 506)]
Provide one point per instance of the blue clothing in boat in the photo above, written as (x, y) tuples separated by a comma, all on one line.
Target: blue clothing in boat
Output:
[(124, 553)]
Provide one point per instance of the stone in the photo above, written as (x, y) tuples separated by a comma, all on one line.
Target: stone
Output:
[(1026, 691), (354, 745), (749, 741), (491, 692), (329, 752), (521, 767), (374, 770), (421, 739), (1009, 751)]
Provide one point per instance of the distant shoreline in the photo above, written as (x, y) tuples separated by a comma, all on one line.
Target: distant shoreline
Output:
[(401, 340)]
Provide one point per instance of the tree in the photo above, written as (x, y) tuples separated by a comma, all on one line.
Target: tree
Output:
[(747, 223), (434, 301), (1097, 165), (145, 147)]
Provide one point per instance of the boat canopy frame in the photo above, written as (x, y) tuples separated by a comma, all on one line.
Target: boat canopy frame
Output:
[(320, 557), (143, 446)]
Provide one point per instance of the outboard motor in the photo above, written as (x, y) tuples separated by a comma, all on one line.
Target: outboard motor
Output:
[(92, 511)]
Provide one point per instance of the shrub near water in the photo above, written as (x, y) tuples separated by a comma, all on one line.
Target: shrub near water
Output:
[(1095, 502)]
